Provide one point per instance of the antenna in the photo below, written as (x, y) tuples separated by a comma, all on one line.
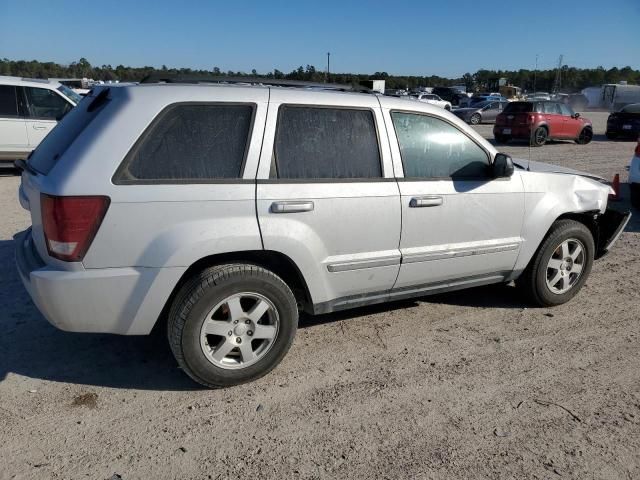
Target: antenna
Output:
[(535, 74), (556, 82)]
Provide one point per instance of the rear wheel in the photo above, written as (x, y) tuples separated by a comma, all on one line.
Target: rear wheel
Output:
[(475, 119), (561, 265), (611, 135), (586, 135), (540, 137), (231, 324)]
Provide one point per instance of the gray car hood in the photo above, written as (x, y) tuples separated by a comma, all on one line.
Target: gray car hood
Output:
[(543, 167)]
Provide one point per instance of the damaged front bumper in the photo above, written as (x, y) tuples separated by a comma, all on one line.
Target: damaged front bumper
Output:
[(611, 224)]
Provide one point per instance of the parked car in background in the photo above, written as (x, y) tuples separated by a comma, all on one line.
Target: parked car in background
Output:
[(483, 112), (139, 214), (624, 123), (449, 94), (431, 99), (537, 96), (540, 121), (29, 109), (477, 99), (634, 177)]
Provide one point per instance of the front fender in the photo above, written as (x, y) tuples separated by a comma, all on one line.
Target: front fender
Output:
[(548, 196)]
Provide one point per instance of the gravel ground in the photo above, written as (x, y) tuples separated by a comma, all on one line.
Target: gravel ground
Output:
[(465, 385)]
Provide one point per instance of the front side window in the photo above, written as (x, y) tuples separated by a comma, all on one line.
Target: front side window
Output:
[(45, 104), (566, 110), (433, 148), (320, 142), (191, 142), (8, 101)]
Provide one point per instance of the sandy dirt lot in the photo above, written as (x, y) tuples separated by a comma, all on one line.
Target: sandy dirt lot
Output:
[(472, 384)]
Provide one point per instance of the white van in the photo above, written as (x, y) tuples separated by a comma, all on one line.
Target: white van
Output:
[(29, 109)]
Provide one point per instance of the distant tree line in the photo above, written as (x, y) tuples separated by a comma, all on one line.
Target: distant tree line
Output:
[(571, 79)]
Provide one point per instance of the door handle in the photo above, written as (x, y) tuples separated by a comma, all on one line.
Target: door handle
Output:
[(428, 201), (39, 127), (293, 206)]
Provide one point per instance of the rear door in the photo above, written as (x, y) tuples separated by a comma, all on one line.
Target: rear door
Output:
[(14, 142), (327, 197), (491, 111), (45, 107), (555, 120), (458, 223)]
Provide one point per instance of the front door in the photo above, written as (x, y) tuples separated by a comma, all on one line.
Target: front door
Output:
[(45, 108), (326, 196), (459, 225)]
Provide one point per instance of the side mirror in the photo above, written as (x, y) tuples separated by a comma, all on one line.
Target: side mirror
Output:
[(576, 115), (502, 166)]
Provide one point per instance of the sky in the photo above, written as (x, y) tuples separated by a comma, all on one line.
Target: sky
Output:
[(446, 37)]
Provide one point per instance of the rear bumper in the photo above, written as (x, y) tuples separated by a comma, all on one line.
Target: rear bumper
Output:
[(125, 301)]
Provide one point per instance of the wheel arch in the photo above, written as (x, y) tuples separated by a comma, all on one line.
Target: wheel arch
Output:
[(277, 262)]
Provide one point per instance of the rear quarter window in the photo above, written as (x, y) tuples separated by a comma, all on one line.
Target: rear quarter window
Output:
[(190, 143)]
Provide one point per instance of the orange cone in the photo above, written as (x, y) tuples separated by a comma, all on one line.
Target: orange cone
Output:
[(616, 188)]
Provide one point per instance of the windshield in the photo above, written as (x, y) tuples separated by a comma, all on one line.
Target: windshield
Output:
[(70, 94), (519, 107)]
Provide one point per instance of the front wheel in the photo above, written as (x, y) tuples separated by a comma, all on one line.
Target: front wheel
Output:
[(475, 119), (231, 324), (561, 265), (586, 135)]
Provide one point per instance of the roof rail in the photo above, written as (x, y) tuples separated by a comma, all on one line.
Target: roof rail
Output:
[(39, 80), (157, 78)]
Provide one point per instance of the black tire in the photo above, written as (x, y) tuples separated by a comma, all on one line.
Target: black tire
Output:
[(634, 190), (502, 138), (533, 281), (206, 290), (611, 135), (475, 119), (540, 137), (586, 135), (447, 108)]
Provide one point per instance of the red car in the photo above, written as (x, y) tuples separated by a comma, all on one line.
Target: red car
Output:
[(540, 121)]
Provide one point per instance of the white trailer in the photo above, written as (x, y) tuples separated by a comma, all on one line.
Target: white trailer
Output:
[(616, 96)]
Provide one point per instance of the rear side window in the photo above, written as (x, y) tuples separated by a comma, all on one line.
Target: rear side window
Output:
[(433, 148), (552, 108), (8, 101), (191, 143), (319, 142)]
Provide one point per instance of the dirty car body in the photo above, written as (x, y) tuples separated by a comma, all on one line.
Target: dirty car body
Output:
[(317, 201)]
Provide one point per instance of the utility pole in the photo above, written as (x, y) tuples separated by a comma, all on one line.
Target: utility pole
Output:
[(535, 73), (558, 79), (328, 55)]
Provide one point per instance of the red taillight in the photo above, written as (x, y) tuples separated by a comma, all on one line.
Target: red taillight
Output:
[(71, 223), (531, 119)]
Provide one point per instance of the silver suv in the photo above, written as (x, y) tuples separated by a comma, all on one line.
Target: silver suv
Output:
[(226, 210)]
